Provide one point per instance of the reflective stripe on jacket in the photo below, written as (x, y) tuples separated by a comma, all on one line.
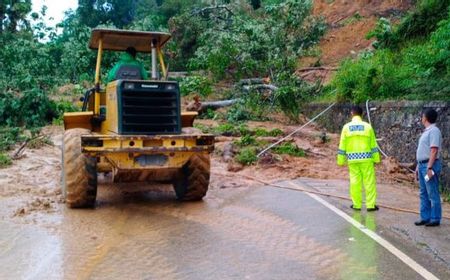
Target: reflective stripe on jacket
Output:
[(357, 143)]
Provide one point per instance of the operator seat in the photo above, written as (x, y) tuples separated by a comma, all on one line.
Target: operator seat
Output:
[(128, 72)]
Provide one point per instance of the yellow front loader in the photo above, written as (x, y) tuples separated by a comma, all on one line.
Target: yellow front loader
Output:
[(133, 129)]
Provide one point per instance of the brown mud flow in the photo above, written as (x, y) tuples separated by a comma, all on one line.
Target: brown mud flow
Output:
[(239, 231), (243, 233)]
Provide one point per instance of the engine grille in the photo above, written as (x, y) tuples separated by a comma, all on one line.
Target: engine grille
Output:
[(149, 111)]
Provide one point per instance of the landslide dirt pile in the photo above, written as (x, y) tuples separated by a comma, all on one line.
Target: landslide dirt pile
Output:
[(348, 23), (319, 162)]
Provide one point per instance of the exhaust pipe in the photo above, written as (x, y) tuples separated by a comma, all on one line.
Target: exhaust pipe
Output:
[(154, 70)]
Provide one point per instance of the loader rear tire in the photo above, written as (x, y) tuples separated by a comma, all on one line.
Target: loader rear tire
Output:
[(79, 171), (193, 180)]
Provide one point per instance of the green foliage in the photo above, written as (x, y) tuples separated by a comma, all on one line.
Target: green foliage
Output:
[(9, 136), (226, 129), (418, 24), (195, 84), (239, 112), (209, 114), (256, 4), (246, 140), (118, 12), (34, 69), (419, 70), (235, 129), (60, 108), (261, 132), (252, 105), (292, 93), (289, 149), (75, 59), (354, 18), (445, 193), (383, 34), (5, 160), (32, 108), (424, 19), (39, 142), (203, 128), (247, 156), (232, 129), (232, 41), (288, 97), (13, 15)]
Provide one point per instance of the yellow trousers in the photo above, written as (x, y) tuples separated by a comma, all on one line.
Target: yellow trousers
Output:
[(362, 173)]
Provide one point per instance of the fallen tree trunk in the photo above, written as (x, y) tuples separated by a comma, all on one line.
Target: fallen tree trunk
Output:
[(214, 105), (258, 87), (254, 81), (206, 10), (317, 68), (246, 84)]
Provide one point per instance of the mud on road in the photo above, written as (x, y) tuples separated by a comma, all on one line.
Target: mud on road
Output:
[(141, 231), (30, 189)]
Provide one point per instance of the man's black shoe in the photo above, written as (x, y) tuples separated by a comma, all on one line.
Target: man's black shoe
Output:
[(354, 208), (373, 209), (432, 224), (421, 223)]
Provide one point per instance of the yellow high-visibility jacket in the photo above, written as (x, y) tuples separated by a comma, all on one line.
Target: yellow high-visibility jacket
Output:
[(358, 143)]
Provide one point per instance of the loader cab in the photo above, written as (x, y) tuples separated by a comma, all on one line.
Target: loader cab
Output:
[(130, 105), (143, 42)]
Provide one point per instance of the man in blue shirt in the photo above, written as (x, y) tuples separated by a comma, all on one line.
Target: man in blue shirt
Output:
[(428, 169)]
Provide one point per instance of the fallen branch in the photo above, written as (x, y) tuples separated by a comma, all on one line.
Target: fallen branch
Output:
[(258, 87), (18, 154), (214, 105), (254, 81), (317, 68), (228, 152), (203, 11)]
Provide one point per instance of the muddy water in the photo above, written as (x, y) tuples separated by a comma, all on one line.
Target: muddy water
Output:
[(244, 233), (238, 232)]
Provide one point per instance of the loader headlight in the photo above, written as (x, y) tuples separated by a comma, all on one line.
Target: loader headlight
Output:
[(170, 87), (128, 86)]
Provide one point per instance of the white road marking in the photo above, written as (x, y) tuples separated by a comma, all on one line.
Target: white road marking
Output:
[(386, 244)]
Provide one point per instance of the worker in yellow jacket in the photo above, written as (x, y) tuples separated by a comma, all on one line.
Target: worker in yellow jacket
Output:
[(358, 148)]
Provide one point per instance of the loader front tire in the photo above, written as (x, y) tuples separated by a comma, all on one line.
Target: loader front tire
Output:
[(193, 180), (79, 171)]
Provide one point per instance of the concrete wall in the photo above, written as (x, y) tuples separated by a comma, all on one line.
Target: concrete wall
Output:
[(396, 123)]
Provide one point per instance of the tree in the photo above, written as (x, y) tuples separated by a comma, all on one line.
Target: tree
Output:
[(96, 12), (12, 13), (256, 4), (2, 14)]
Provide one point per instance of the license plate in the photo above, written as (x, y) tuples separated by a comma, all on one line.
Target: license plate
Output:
[(151, 160)]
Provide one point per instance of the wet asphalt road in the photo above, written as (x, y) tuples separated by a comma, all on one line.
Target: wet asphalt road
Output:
[(244, 233)]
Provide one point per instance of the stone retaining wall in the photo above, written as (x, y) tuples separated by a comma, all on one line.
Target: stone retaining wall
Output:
[(397, 125)]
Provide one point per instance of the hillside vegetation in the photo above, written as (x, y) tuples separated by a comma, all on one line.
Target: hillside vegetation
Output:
[(43, 70), (409, 60)]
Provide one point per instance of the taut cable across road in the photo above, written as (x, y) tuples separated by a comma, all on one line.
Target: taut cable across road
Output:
[(299, 189), (295, 131)]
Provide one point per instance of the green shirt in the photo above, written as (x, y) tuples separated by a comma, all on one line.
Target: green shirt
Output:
[(126, 59)]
